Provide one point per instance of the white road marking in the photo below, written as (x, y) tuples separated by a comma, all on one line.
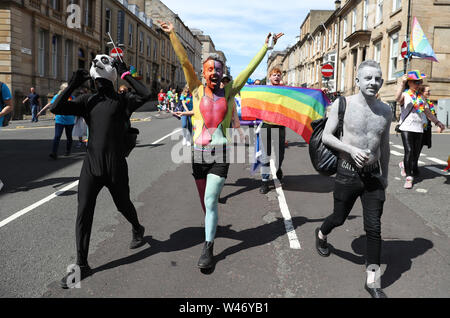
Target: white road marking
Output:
[(37, 204), (395, 153), (60, 192), (422, 190), (441, 162), (398, 147), (290, 230)]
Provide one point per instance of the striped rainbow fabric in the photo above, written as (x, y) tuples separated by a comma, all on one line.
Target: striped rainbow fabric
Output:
[(292, 107), (419, 45)]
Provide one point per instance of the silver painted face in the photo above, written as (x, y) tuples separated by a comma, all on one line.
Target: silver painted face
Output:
[(369, 81), (102, 67)]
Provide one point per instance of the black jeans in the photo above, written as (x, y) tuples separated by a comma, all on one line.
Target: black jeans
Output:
[(412, 143), (349, 185)]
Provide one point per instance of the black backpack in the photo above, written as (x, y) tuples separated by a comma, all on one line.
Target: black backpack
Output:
[(323, 158)]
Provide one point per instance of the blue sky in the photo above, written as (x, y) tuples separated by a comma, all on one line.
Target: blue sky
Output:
[(239, 27)]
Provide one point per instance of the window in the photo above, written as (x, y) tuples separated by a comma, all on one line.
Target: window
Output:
[(55, 5), (163, 72), (155, 50), (141, 42), (365, 14), (163, 47), (354, 20), (41, 53), (396, 4), (108, 20), (335, 33), (379, 13), (344, 31), (147, 74), (121, 27), (54, 56), (89, 13), (329, 37), (149, 46), (67, 59), (130, 34), (393, 55), (343, 75), (377, 51)]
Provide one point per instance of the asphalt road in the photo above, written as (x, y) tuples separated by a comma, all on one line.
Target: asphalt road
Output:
[(254, 257)]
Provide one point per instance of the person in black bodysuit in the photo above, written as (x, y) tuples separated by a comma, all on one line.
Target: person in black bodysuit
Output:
[(107, 115)]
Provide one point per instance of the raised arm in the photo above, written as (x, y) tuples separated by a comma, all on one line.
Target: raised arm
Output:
[(188, 69), (242, 78), (142, 95), (400, 89), (77, 107)]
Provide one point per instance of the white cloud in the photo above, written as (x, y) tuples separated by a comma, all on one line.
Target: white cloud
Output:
[(239, 27)]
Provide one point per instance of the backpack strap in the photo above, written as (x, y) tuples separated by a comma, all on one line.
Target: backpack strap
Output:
[(2, 102), (342, 109)]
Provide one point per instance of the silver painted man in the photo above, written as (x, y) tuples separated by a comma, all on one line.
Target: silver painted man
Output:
[(362, 167)]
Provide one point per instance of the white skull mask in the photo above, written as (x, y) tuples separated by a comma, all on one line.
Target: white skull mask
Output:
[(102, 67)]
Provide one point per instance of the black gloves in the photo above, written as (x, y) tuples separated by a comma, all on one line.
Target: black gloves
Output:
[(79, 77), (121, 67)]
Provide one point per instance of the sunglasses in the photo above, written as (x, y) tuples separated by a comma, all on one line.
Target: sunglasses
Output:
[(418, 82)]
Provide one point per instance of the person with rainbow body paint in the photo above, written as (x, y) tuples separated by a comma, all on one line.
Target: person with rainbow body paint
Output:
[(212, 116)]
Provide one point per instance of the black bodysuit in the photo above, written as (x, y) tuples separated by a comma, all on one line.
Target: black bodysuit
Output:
[(106, 114)]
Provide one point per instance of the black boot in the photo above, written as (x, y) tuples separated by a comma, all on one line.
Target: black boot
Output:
[(375, 292), (321, 245), (264, 187), (280, 174), (138, 238), (206, 259), (85, 271)]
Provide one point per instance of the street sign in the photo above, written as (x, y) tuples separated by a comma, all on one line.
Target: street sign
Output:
[(404, 49), (116, 52), (327, 70)]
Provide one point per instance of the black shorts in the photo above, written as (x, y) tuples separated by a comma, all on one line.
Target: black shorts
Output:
[(205, 163)]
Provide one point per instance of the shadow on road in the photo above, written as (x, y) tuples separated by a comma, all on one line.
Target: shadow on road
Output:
[(426, 174), (193, 236), (397, 255), (25, 161)]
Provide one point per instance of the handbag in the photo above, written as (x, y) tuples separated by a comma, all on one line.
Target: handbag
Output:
[(397, 127), (324, 159)]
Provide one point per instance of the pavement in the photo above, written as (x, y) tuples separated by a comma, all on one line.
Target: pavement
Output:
[(252, 248)]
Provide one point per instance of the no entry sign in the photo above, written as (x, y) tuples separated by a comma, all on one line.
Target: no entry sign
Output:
[(116, 52), (327, 70), (404, 49)]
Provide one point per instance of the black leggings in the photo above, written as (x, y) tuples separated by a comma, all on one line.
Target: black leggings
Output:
[(412, 143), (88, 191), (348, 187)]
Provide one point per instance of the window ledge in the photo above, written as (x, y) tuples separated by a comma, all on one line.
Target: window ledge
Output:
[(396, 11), (441, 2), (391, 81), (378, 24)]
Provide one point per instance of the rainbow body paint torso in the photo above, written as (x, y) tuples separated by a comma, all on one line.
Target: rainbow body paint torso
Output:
[(212, 116)]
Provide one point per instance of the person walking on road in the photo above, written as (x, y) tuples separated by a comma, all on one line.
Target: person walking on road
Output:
[(107, 115), (414, 113), (35, 104), (62, 123), (212, 117), (6, 107), (186, 123), (362, 167)]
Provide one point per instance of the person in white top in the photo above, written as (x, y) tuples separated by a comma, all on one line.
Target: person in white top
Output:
[(414, 114)]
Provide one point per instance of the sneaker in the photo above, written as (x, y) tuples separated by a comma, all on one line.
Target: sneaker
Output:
[(280, 174), (1, 185), (54, 156), (138, 238), (402, 169), (409, 183)]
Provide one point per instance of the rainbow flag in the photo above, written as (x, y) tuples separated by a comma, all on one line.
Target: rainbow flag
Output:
[(292, 107), (419, 45)]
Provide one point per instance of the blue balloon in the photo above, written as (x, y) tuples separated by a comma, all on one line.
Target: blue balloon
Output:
[(250, 81)]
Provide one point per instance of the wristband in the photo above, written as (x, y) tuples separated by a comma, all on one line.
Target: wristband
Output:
[(125, 74)]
